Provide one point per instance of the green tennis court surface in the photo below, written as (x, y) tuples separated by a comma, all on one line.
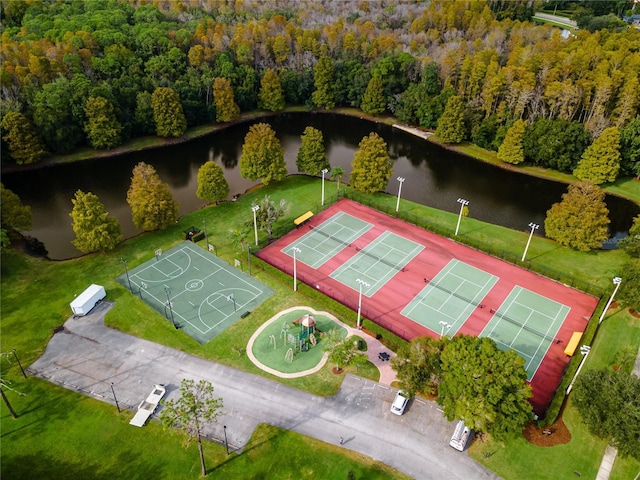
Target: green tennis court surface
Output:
[(206, 294), (450, 298), (378, 262), (528, 323), (325, 241)]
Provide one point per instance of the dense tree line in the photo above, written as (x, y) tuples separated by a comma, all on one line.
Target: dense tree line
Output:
[(101, 72)]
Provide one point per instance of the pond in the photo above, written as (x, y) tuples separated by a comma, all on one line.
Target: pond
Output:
[(434, 176)]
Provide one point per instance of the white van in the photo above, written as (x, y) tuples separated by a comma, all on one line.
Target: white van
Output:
[(461, 437)]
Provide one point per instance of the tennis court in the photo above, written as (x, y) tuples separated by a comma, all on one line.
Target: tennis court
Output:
[(447, 301), (325, 241), (377, 262), (196, 291), (528, 323)]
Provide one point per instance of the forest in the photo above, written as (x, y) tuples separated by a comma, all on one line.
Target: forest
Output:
[(100, 72)]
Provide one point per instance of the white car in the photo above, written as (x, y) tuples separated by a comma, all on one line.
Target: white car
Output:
[(399, 403)]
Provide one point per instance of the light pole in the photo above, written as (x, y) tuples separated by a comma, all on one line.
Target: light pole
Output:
[(401, 180), (445, 326), (463, 203), (166, 289), (226, 444), (295, 276), (361, 283), (19, 364), (126, 272), (534, 227), (114, 397), (324, 171), (584, 350), (254, 209), (616, 281)]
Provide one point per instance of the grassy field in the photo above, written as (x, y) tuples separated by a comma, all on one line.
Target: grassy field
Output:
[(35, 299)]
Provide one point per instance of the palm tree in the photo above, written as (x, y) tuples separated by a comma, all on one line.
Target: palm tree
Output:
[(337, 172)]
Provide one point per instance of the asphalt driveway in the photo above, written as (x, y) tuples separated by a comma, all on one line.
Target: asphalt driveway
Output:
[(87, 356)]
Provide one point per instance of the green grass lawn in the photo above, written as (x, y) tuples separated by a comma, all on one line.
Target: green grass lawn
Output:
[(35, 299)]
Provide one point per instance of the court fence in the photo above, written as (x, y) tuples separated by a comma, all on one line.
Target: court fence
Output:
[(486, 247)]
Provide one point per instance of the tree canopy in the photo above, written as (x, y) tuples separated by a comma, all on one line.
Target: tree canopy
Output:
[(600, 162), (511, 150), (451, 123), (580, 220), (102, 127), (484, 386), (227, 109), (262, 156), (312, 156), (631, 243), (167, 113), (271, 95), (269, 213), (608, 402), (25, 145), (373, 101), (192, 412), (372, 166), (15, 216), (212, 186), (151, 201), (95, 229), (418, 365), (629, 294)]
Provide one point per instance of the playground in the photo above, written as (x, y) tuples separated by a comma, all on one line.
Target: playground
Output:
[(415, 283), (195, 291), (292, 342)]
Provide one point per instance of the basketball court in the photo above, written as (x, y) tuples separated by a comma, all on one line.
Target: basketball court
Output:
[(195, 291)]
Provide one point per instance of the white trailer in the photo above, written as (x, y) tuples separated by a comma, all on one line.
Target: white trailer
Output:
[(148, 406), (88, 299)]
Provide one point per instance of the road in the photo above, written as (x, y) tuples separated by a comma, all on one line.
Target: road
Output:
[(564, 21), (87, 356)]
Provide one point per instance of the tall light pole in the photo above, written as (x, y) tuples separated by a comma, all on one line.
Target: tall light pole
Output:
[(616, 281), (401, 180), (463, 203), (295, 276), (584, 350), (126, 272), (324, 171), (361, 283), (254, 209), (534, 227), (226, 444), (444, 326), (114, 397), (168, 292)]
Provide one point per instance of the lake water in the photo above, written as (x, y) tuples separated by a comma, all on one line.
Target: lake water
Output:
[(434, 176)]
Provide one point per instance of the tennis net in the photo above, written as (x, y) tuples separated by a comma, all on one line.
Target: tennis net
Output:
[(369, 254), (501, 315)]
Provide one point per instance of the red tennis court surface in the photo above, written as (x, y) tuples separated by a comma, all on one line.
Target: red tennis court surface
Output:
[(384, 306)]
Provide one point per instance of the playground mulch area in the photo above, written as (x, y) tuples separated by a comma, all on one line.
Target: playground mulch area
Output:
[(409, 285), (286, 333)]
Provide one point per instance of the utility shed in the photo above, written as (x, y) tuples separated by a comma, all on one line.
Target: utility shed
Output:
[(88, 299)]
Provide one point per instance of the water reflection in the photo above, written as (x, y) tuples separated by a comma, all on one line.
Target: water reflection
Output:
[(434, 177)]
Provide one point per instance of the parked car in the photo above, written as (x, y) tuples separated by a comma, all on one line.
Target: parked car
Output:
[(399, 403), (461, 437)]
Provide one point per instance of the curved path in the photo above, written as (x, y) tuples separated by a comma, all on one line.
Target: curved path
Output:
[(87, 356)]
